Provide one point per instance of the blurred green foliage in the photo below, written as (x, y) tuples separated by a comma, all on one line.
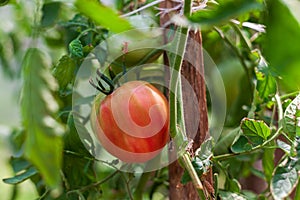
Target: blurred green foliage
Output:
[(255, 45)]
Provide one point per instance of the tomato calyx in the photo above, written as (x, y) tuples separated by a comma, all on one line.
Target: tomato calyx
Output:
[(99, 86)]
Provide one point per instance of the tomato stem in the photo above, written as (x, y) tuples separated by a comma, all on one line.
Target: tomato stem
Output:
[(100, 86)]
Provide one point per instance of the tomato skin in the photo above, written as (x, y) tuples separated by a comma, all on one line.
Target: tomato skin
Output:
[(132, 123)]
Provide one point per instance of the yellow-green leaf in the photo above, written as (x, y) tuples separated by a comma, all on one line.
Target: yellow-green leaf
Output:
[(103, 15)]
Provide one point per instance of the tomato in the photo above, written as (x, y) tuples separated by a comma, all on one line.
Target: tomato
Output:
[(132, 123)]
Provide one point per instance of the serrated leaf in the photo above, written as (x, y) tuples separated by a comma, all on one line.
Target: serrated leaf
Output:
[(283, 182), (223, 12), (43, 144), (64, 71), (241, 145), (103, 15), (255, 130), (21, 177), (292, 118), (76, 48)]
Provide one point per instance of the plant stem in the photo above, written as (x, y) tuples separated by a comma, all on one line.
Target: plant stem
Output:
[(279, 107), (177, 124), (138, 194), (97, 183), (237, 52), (143, 8), (283, 97), (186, 160), (230, 155), (276, 134), (297, 194)]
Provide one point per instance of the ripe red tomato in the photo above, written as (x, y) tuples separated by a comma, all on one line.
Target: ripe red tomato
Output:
[(132, 123)]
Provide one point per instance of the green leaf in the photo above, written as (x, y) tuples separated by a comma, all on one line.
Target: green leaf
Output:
[(84, 169), (64, 71), (268, 163), (225, 195), (50, 13), (281, 49), (102, 15), (241, 145), (19, 164), (256, 130), (266, 83), (293, 6), (284, 181), (224, 144), (43, 144), (232, 185), (205, 150), (76, 48), (223, 12), (284, 146), (74, 138), (3, 2), (21, 177), (201, 161), (292, 118)]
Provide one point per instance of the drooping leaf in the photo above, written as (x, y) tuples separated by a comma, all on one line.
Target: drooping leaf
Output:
[(268, 163), (223, 12), (282, 35), (21, 177), (256, 130), (5, 64), (43, 144), (103, 15), (292, 118), (64, 71), (50, 13)]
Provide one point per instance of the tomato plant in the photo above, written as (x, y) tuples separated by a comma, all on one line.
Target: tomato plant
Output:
[(132, 123)]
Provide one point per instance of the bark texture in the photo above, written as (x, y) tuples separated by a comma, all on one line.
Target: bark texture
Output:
[(194, 73)]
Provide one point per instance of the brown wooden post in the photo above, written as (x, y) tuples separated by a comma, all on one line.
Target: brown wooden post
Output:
[(195, 76)]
